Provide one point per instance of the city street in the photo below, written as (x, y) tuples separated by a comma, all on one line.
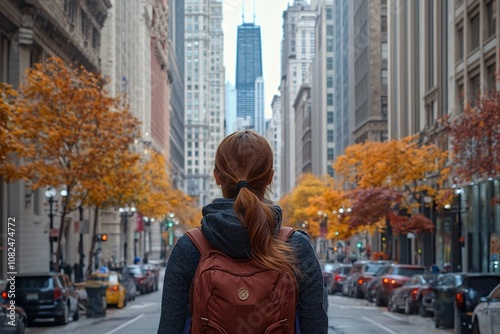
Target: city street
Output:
[(346, 316)]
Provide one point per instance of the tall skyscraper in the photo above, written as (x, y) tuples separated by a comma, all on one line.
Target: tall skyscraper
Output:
[(248, 69), (297, 54), (204, 97)]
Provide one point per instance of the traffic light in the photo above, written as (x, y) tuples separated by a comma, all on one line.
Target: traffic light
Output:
[(359, 244), (101, 237)]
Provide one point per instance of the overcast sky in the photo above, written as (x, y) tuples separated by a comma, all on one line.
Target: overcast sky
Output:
[(269, 16)]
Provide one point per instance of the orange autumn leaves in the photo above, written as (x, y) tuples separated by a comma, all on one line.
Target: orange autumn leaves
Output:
[(60, 128), (380, 181)]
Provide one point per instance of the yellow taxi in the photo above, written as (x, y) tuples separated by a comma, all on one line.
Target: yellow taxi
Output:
[(116, 294)]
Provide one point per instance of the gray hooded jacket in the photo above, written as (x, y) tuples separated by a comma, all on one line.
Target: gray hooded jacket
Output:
[(224, 231)]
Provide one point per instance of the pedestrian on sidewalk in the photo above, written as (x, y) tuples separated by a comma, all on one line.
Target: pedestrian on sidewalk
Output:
[(245, 226)]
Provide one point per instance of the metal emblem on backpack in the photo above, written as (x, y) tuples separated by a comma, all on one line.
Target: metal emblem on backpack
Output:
[(243, 294)]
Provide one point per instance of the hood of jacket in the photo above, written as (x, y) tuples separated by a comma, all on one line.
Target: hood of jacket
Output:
[(225, 231)]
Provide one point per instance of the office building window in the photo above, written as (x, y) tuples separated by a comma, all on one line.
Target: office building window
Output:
[(384, 51), (330, 153), (475, 87), (329, 63), (329, 99), (384, 77), (329, 136), (383, 107), (490, 18), (460, 43), (474, 32), (329, 82), (329, 117), (491, 77), (383, 24)]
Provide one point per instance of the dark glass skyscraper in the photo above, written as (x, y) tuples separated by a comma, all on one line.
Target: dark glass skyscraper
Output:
[(248, 68)]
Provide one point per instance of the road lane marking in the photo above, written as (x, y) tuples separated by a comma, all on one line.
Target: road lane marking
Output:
[(392, 316), (143, 305), (125, 324), (380, 326)]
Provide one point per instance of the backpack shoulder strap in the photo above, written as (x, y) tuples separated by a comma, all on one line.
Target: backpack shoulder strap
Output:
[(285, 233), (199, 240)]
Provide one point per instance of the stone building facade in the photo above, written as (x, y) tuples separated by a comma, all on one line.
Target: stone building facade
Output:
[(31, 31)]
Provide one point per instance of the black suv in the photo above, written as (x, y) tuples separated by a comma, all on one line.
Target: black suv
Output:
[(47, 295), (473, 287)]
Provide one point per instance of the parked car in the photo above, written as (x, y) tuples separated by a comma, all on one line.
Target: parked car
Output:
[(143, 281), (473, 287), (126, 278), (339, 276), (115, 292), (409, 296), (371, 286), (443, 298), (486, 315), (47, 295), (154, 270), (360, 274), (395, 277), (13, 319), (328, 268)]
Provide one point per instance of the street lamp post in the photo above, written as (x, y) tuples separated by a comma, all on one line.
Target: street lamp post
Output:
[(50, 193), (125, 213)]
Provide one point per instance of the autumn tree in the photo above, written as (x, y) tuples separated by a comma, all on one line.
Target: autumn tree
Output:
[(297, 208), (71, 131), (476, 139), (8, 142), (383, 174)]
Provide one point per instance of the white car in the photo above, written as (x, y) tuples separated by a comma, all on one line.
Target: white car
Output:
[(486, 315)]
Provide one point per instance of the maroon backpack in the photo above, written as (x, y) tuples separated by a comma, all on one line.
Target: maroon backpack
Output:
[(239, 296)]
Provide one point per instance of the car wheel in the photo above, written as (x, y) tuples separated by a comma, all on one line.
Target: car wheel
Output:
[(422, 311), (390, 305), (76, 315), (64, 319), (408, 308), (378, 299), (21, 326), (475, 327)]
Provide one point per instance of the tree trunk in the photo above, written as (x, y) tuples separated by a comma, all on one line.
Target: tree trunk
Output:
[(92, 245), (62, 227)]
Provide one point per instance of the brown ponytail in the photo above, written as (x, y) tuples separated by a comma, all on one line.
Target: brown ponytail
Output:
[(244, 168)]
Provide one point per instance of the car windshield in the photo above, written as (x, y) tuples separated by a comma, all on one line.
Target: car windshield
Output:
[(407, 271), (329, 267), (373, 267), (135, 270), (345, 270), (35, 282), (481, 284)]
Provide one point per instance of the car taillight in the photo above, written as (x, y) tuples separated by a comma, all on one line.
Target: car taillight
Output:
[(338, 278), (460, 300), (388, 281), (414, 294), (4, 295), (57, 293)]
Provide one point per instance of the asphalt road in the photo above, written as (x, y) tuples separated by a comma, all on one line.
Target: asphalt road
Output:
[(346, 316)]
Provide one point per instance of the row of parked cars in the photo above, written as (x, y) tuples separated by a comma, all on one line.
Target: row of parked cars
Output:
[(52, 296), (467, 302)]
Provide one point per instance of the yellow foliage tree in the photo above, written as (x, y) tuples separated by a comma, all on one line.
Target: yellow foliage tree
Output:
[(71, 130), (298, 211)]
